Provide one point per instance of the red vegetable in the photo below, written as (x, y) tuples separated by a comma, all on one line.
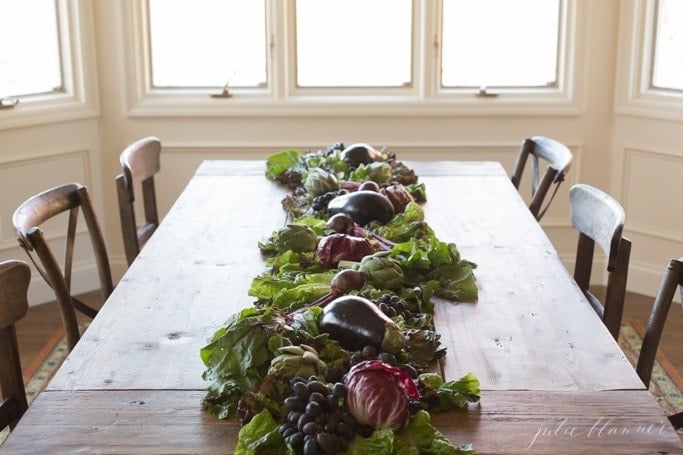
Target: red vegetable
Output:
[(336, 247), (398, 195), (379, 395)]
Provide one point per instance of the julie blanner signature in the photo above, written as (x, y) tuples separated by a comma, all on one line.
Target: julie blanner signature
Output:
[(602, 428)]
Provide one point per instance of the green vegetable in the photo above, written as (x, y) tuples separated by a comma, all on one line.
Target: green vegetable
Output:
[(299, 360), (280, 162), (318, 181), (381, 271), (420, 437), (237, 358), (446, 396), (296, 237), (261, 436)]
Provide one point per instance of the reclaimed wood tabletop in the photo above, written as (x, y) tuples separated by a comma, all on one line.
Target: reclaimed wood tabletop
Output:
[(553, 380)]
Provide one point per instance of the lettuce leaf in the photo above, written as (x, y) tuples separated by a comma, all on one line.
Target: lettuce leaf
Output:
[(451, 395), (261, 435), (237, 358), (420, 437), (280, 162)]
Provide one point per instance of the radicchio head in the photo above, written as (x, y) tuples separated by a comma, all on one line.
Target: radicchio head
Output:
[(379, 395)]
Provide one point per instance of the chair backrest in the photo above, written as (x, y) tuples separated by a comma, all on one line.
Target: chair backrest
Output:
[(558, 158), (600, 220), (14, 280), (673, 279), (139, 162), (27, 220)]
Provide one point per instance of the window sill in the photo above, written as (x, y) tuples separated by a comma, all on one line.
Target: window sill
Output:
[(202, 105), (53, 110)]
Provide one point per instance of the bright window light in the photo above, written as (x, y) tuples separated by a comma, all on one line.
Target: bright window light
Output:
[(30, 60), (667, 65), (208, 43), (353, 43), (500, 43)]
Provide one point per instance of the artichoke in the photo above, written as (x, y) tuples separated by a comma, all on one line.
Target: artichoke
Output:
[(318, 181), (379, 172), (382, 271), (296, 237), (299, 360)]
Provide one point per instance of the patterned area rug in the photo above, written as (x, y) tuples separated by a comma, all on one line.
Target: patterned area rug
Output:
[(666, 382)]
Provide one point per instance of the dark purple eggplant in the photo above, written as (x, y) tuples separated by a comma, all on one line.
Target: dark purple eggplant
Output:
[(356, 322), (361, 153), (363, 207)]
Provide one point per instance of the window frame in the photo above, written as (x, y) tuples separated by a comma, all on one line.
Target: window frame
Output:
[(636, 94), (77, 98), (424, 97)]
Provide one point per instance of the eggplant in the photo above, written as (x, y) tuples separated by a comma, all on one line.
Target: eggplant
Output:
[(361, 153), (356, 322), (363, 206)]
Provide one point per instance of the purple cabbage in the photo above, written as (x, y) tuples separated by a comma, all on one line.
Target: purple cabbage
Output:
[(379, 395), (341, 247), (398, 195)]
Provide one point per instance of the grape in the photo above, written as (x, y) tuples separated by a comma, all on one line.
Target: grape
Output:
[(296, 440), (393, 305), (339, 390), (317, 386), (313, 409), (311, 447), (301, 390), (323, 427), (369, 352), (388, 358), (294, 404)]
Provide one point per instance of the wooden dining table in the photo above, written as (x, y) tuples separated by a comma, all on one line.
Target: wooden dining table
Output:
[(553, 380)]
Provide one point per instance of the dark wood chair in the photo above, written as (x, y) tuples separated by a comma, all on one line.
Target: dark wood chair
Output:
[(558, 158), (600, 220), (27, 220), (139, 162), (14, 280), (673, 279)]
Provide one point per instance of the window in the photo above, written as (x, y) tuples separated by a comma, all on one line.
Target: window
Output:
[(306, 57), (650, 81), (211, 44), (45, 52), (34, 67), (353, 43), (667, 55), (500, 43)]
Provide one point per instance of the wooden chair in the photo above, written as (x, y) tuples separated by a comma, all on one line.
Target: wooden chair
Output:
[(559, 158), (600, 220), (673, 278), (14, 280), (139, 161), (27, 220)]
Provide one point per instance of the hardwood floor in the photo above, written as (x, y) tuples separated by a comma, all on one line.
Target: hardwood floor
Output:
[(40, 325), (43, 321)]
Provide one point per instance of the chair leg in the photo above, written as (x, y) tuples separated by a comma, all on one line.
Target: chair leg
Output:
[(677, 420)]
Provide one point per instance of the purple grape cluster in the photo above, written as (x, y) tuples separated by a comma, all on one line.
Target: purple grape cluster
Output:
[(393, 305), (316, 420)]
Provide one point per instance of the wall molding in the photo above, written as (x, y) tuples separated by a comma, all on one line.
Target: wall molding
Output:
[(641, 228)]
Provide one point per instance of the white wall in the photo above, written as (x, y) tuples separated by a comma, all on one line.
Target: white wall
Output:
[(601, 138)]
